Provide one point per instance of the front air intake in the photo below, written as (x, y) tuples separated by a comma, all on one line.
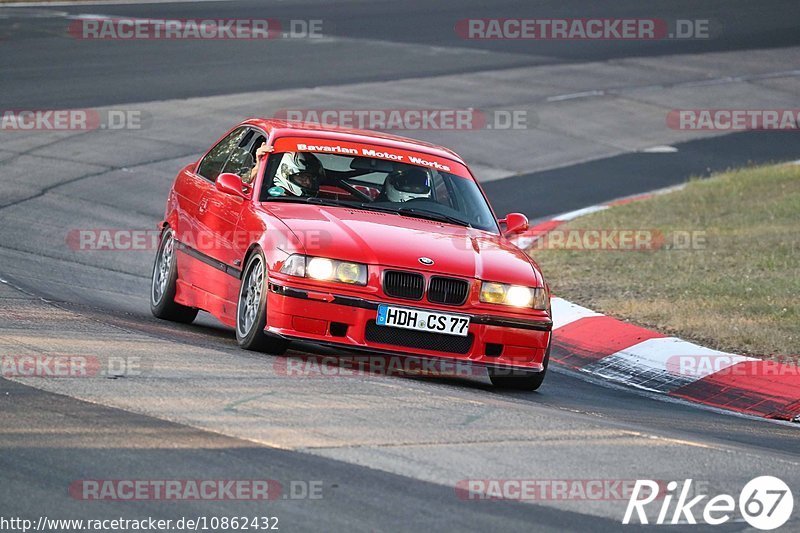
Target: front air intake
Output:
[(448, 291), (406, 285)]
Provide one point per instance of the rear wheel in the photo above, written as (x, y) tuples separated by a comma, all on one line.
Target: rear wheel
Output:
[(507, 379), (251, 311), (162, 287)]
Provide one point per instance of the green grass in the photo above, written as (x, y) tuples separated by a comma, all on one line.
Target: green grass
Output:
[(739, 292)]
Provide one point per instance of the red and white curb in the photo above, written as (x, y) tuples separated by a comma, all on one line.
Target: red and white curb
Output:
[(618, 351)]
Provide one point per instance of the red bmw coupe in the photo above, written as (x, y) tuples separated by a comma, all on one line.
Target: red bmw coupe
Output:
[(352, 239)]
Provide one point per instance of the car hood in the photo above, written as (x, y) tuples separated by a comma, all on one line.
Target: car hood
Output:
[(400, 241)]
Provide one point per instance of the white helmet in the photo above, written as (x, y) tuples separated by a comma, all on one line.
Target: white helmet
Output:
[(299, 173), (407, 184)]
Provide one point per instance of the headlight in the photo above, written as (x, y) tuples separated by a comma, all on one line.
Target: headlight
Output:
[(493, 293), (350, 273), (519, 296), (319, 268), (514, 295), (324, 269)]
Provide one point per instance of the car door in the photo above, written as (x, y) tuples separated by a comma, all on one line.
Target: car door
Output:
[(194, 265), (218, 219)]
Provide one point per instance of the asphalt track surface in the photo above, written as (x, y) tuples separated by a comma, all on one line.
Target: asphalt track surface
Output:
[(103, 73), (388, 450)]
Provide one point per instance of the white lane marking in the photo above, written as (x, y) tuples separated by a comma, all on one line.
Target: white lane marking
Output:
[(104, 3), (524, 242), (580, 212), (565, 312), (573, 96), (30, 13), (660, 149), (93, 16)]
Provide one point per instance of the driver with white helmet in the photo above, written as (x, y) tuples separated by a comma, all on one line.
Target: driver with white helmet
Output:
[(299, 174), (407, 184)]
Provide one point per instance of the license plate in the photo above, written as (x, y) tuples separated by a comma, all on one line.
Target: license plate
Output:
[(400, 317)]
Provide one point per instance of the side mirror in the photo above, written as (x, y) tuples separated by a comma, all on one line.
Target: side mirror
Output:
[(230, 183), (515, 223)]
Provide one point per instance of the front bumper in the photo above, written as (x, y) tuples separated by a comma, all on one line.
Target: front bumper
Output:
[(349, 322)]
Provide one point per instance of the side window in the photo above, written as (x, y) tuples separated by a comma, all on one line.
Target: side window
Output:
[(243, 159), (241, 162), (211, 165), (259, 140), (441, 191)]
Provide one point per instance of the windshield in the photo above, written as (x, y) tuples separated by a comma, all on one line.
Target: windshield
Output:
[(376, 184)]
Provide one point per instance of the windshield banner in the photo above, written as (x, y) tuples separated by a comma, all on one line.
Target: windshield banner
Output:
[(340, 147)]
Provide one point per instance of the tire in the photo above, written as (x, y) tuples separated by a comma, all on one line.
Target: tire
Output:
[(251, 309), (506, 379), (162, 285)]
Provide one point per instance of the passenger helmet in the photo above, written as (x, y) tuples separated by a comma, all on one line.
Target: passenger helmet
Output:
[(407, 184)]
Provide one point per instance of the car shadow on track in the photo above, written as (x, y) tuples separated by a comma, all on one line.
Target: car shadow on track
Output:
[(305, 359)]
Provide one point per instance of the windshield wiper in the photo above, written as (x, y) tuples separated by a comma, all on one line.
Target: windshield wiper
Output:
[(432, 215), (418, 213), (305, 200)]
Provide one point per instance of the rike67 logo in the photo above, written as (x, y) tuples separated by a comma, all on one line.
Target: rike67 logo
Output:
[(765, 503)]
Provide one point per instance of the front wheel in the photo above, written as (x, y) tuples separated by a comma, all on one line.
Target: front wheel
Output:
[(251, 311), (162, 287), (506, 379)]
